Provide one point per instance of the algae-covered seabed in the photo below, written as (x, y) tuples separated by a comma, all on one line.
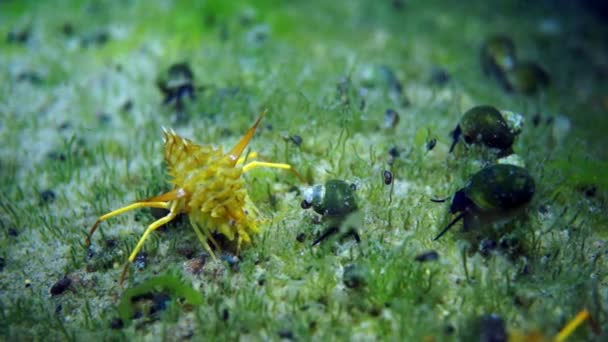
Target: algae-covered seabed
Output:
[(81, 120)]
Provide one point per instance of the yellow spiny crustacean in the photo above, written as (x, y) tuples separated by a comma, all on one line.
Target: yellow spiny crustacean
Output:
[(207, 185)]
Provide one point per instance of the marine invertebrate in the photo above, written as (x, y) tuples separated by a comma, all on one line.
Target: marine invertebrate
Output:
[(495, 192), (177, 84), (208, 187), (335, 198), (487, 126), (497, 55), (527, 78), (334, 201)]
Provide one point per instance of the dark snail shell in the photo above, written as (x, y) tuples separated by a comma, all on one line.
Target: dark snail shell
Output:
[(501, 187), (334, 198), (526, 78), (497, 55), (177, 84), (496, 190), (484, 125)]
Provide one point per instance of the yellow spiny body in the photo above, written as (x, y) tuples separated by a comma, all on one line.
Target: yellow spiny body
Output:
[(208, 187), (215, 198)]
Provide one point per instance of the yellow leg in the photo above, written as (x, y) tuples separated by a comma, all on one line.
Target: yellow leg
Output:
[(255, 164), (239, 240), (251, 155), (213, 242), (569, 328), (203, 239), (136, 205), (152, 227)]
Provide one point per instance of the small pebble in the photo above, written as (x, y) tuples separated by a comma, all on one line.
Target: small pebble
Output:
[(18, 36), (67, 29), (127, 106), (232, 260), (449, 329), (140, 260), (439, 76), (95, 39), (391, 118), (30, 77), (286, 334), (47, 196), (486, 247), (53, 155), (590, 190), (116, 323), (431, 144), (60, 286), (387, 177), (103, 118), (64, 125), (111, 243), (301, 237), (296, 139), (427, 256), (159, 303), (394, 152)]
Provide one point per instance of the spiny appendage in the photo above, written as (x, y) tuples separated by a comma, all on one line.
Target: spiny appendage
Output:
[(220, 202), (184, 157)]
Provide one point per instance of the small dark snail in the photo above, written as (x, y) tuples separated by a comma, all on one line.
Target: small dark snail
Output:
[(335, 198), (497, 55), (484, 125), (177, 84), (494, 192), (526, 78)]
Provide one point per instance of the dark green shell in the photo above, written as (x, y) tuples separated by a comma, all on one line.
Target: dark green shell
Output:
[(334, 198), (527, 78), (180, 70), (497, 55), (485, 125), (500, 187)]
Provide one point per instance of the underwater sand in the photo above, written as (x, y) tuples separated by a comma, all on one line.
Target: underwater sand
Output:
[(81, 120)]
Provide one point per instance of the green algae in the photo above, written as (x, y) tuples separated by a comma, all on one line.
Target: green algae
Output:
[(307, 62), (170, 283)]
